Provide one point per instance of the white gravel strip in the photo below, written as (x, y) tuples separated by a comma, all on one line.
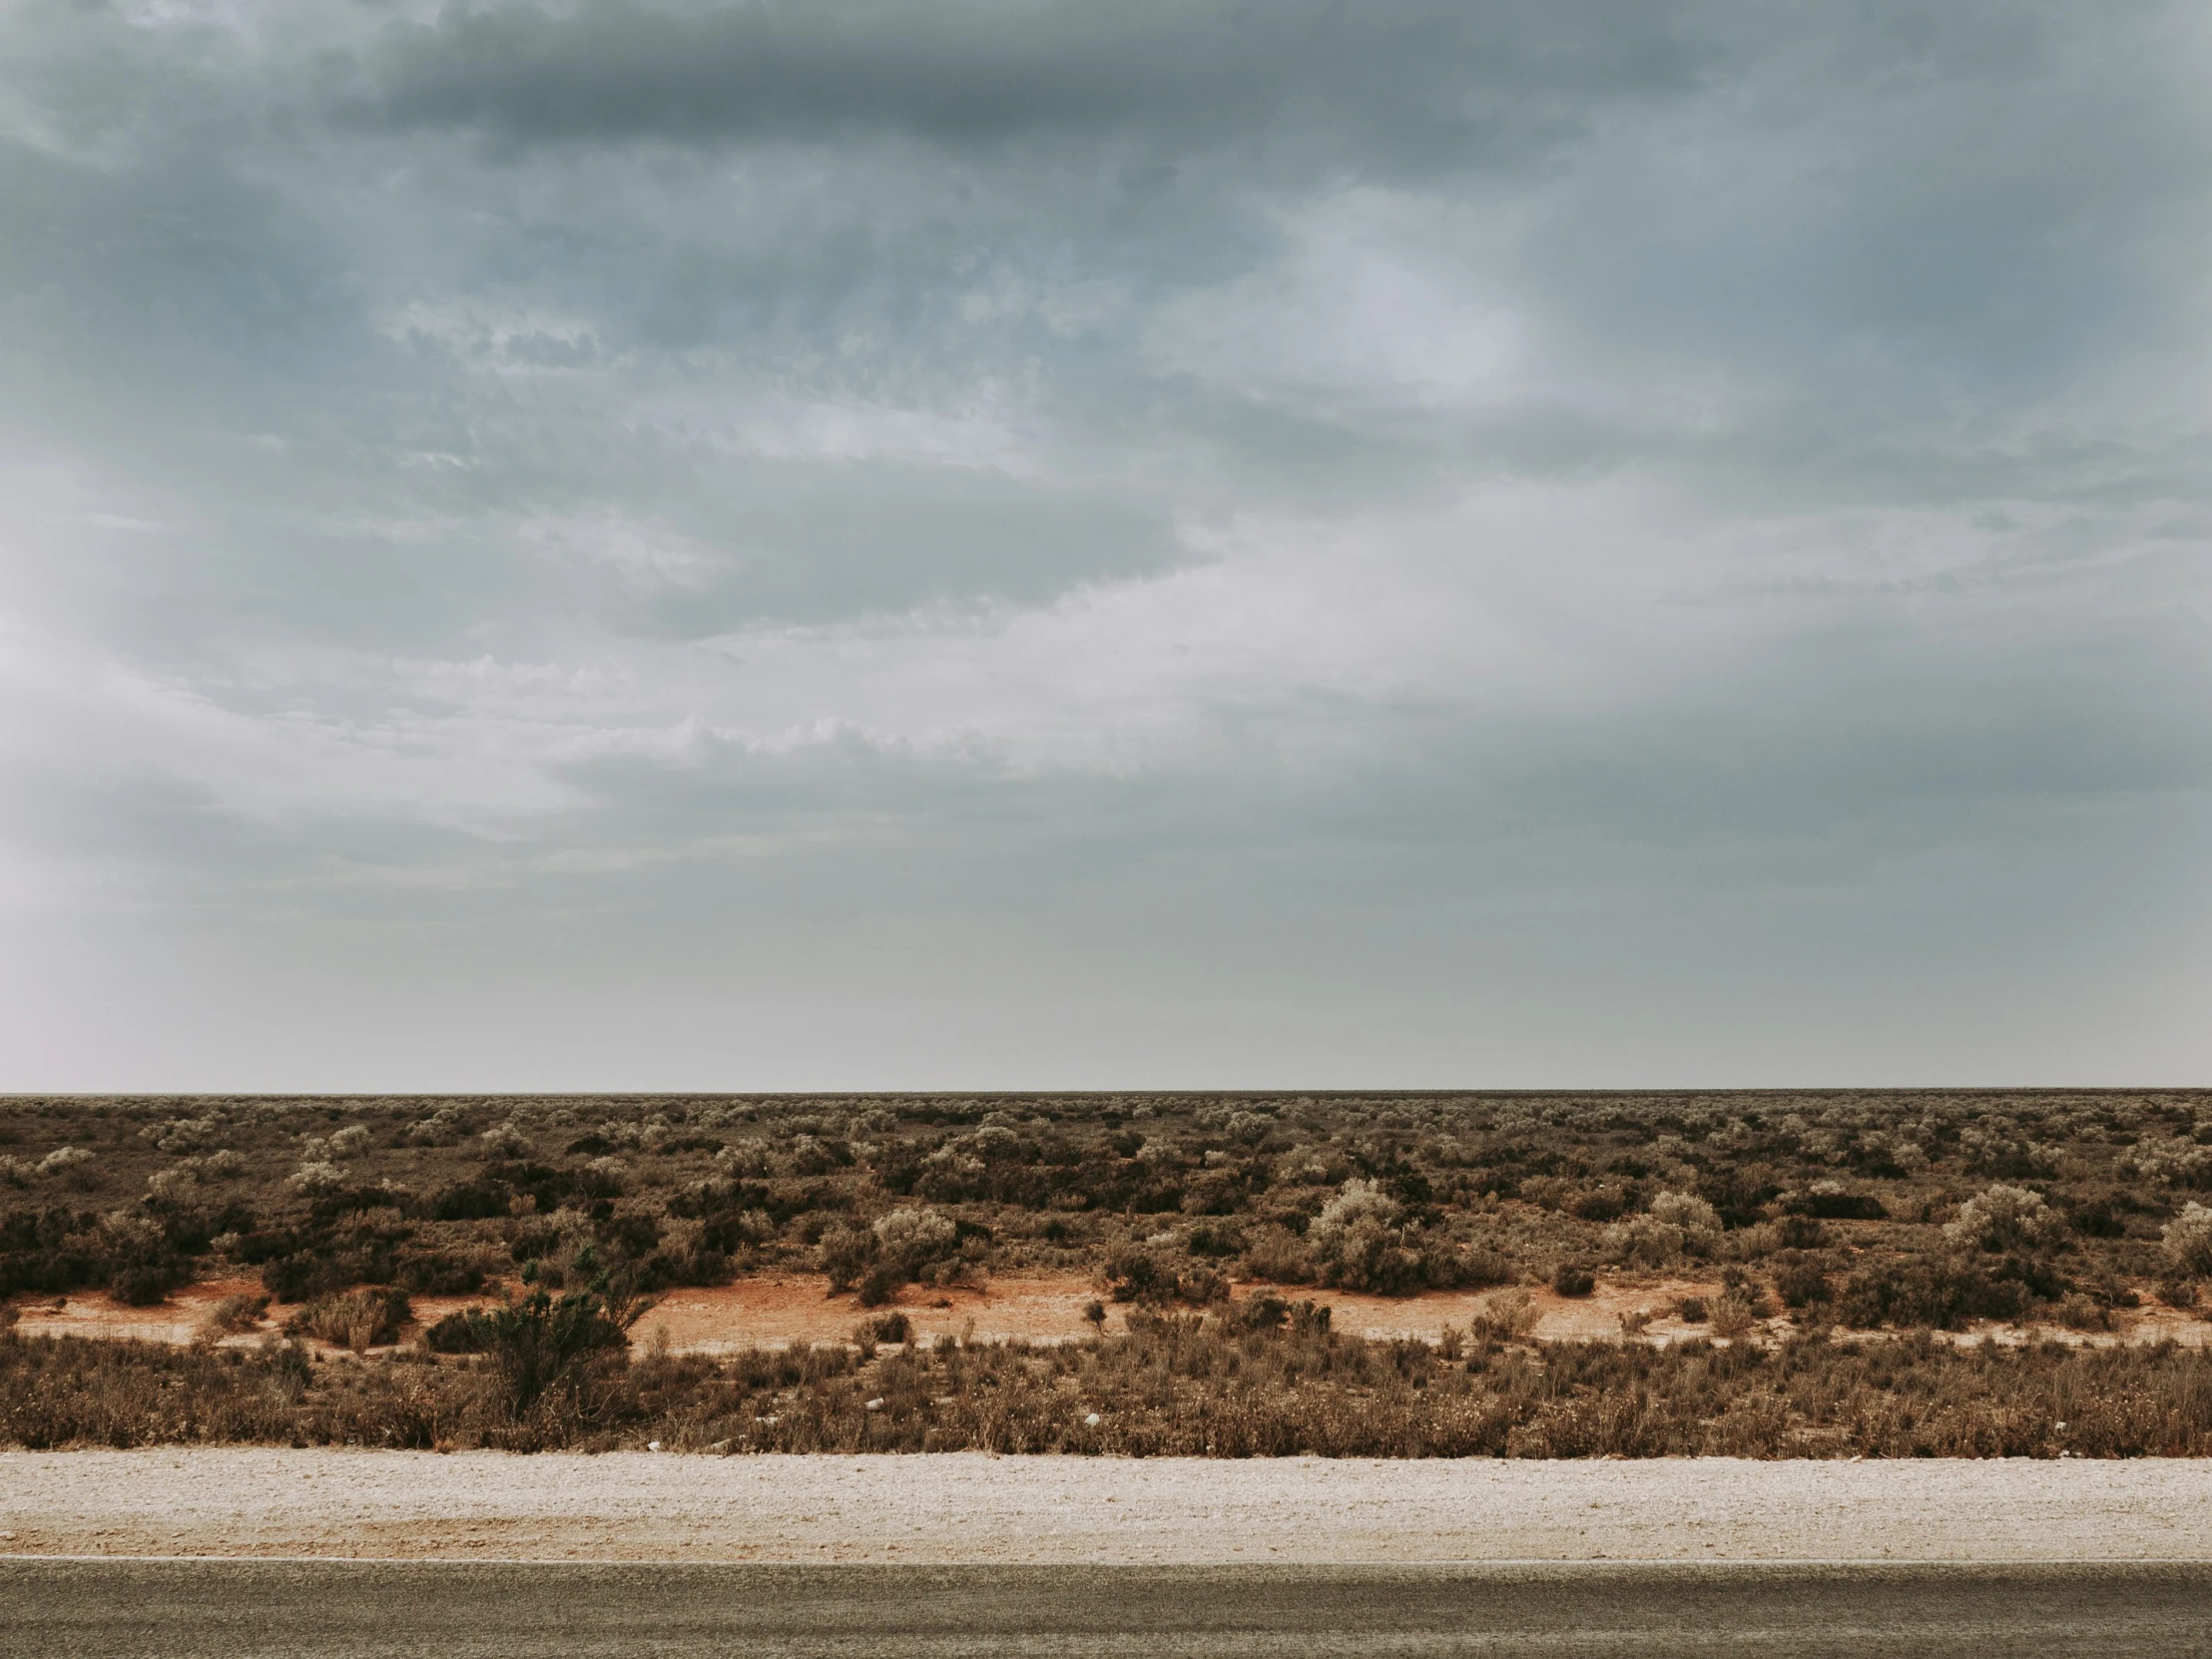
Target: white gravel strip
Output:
[(974, 1507)]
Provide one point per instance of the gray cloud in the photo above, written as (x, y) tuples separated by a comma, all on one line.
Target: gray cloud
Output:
[(1390, 83), (1384, 522)]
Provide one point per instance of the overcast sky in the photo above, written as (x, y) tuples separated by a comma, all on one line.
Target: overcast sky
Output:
[(1168, 542)]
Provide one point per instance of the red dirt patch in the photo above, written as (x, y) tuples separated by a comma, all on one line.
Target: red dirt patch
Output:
[(774, 1312)]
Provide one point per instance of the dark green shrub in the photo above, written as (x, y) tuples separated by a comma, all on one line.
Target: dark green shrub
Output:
[(1802, 1232), (540, 1347), (454, 1334), (1832, 1203), (1803, 1284), (143, 1266), (1216, 1238), (303, 1277), (892, 1327), (1940, 1292), (880, 1284), (435, 1273), (845, 1255)]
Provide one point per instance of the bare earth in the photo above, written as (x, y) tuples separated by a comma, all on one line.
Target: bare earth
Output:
[(981, 1509), (797, 1309)]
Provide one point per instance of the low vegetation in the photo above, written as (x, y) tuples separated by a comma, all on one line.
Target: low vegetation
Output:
[(1877, 1208), (1867, 1211), (1270, 1380)]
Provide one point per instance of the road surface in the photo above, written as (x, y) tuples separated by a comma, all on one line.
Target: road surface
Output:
[(110, 1609)]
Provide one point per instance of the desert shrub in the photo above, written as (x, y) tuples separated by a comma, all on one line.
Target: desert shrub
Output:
[(1800, 1233), (1215, 1238), (2188, 1239), (1832, 1201), (1150, 1280), (880, 1284), (1356, 1202), (69, 1163), (892, 1327), (2082, 1312), (1932, 1291), (2097, 1219), (1642, 1241), (2168, 1161), (1734, 1316), (439, 1273), (143, 1266), (1357, 1243), (1803, 1284), (540, 1348), (359, 1319), (1503, 1317), (1261, 1311), (1571, 1279), (915, 1238), (232, 1316), (440, 1128), (1684, 1210), (50, 1249), (844, 1256), (181, 1134), (1690, 1310), (454, 1334), (1366, 1255), (1172, 1385), (1280, 1257), (2004, 1217), (1737, 1198), (302, 1275)]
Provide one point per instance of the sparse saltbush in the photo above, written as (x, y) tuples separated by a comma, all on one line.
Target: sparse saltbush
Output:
[(71, 1164), (2188, 1240), (2004, 1217), (1379, 1193)]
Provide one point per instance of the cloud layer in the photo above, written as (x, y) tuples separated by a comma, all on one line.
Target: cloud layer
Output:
[(1011, 543)]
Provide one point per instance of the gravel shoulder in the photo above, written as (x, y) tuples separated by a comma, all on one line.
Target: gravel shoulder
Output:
[(976, 1508)]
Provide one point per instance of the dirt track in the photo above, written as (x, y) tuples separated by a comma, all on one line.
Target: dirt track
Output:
[(976, 1508)]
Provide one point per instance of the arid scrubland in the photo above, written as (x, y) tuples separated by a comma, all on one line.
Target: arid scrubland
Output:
[(1813, 1216)]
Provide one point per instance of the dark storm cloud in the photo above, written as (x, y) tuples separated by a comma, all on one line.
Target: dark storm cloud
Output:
[(1394, 81)]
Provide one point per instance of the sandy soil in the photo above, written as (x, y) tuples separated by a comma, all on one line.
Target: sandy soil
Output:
[(971, 1507), (797, 1309)]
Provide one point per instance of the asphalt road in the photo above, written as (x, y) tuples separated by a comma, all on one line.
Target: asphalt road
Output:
[(309, 1610)]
